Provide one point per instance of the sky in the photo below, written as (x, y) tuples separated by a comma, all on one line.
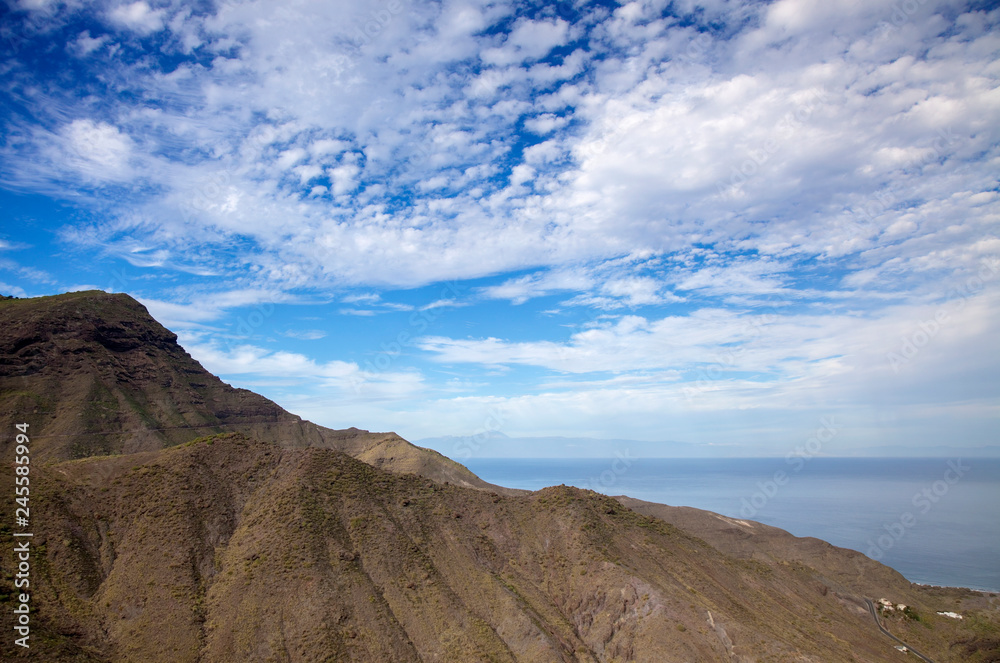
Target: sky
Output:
[(739, 225)]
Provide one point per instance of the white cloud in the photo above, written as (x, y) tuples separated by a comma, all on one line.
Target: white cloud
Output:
[(746, 141), (610, 284), (308, 173), (84, 44), (777, 342), (335, 380), (362, 298), (138, 16), (289, 158), (523, 288), (344, 178), (529, 40), (97, 150), (545, 123), (635, 291), (326, 146), (180, 316), (37, 5), (754, 277), (444, 303), (306, 334), (631, 343), (693, 376), (12, 290), (206, 307), (252, 360), (36, 276), (542, 153)]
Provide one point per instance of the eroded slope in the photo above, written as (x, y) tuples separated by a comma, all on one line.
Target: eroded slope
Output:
[(230, 549)]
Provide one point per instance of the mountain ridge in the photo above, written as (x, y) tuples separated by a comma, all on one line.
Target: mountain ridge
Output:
[(284, 542), (142, 391)]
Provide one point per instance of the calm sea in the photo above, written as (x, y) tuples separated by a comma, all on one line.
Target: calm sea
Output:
[(936, 521)]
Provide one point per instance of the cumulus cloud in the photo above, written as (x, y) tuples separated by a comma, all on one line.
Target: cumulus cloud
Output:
[(12, 290), (84, 44), (545, 123), (786, 137), (97, 149), (138, 16), (529, 40)]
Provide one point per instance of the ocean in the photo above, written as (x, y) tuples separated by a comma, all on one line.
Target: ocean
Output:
[(936, 521)]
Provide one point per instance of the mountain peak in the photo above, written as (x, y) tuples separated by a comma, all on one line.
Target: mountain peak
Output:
[(95, 375)]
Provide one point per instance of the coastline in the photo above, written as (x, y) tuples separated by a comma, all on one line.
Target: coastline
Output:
[(851, 503)]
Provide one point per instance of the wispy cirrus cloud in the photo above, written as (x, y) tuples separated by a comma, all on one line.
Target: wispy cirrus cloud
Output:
[(306, 334)]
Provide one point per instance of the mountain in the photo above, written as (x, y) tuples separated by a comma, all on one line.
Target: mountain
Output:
[(94, 375), (935, 451), (271, 539)]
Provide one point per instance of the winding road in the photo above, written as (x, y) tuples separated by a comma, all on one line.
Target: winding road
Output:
[(871, 609)]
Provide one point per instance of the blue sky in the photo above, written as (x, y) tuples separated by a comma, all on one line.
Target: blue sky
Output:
[(717, 223)]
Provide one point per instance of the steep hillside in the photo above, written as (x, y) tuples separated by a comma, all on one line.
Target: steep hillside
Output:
[(95, 374), (228, 549), (849, 573)]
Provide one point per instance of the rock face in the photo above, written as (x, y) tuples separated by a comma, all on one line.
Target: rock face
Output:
[(95, 374), (343, 546)]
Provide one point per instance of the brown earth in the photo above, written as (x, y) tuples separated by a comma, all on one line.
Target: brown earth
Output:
[(267, 542)]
